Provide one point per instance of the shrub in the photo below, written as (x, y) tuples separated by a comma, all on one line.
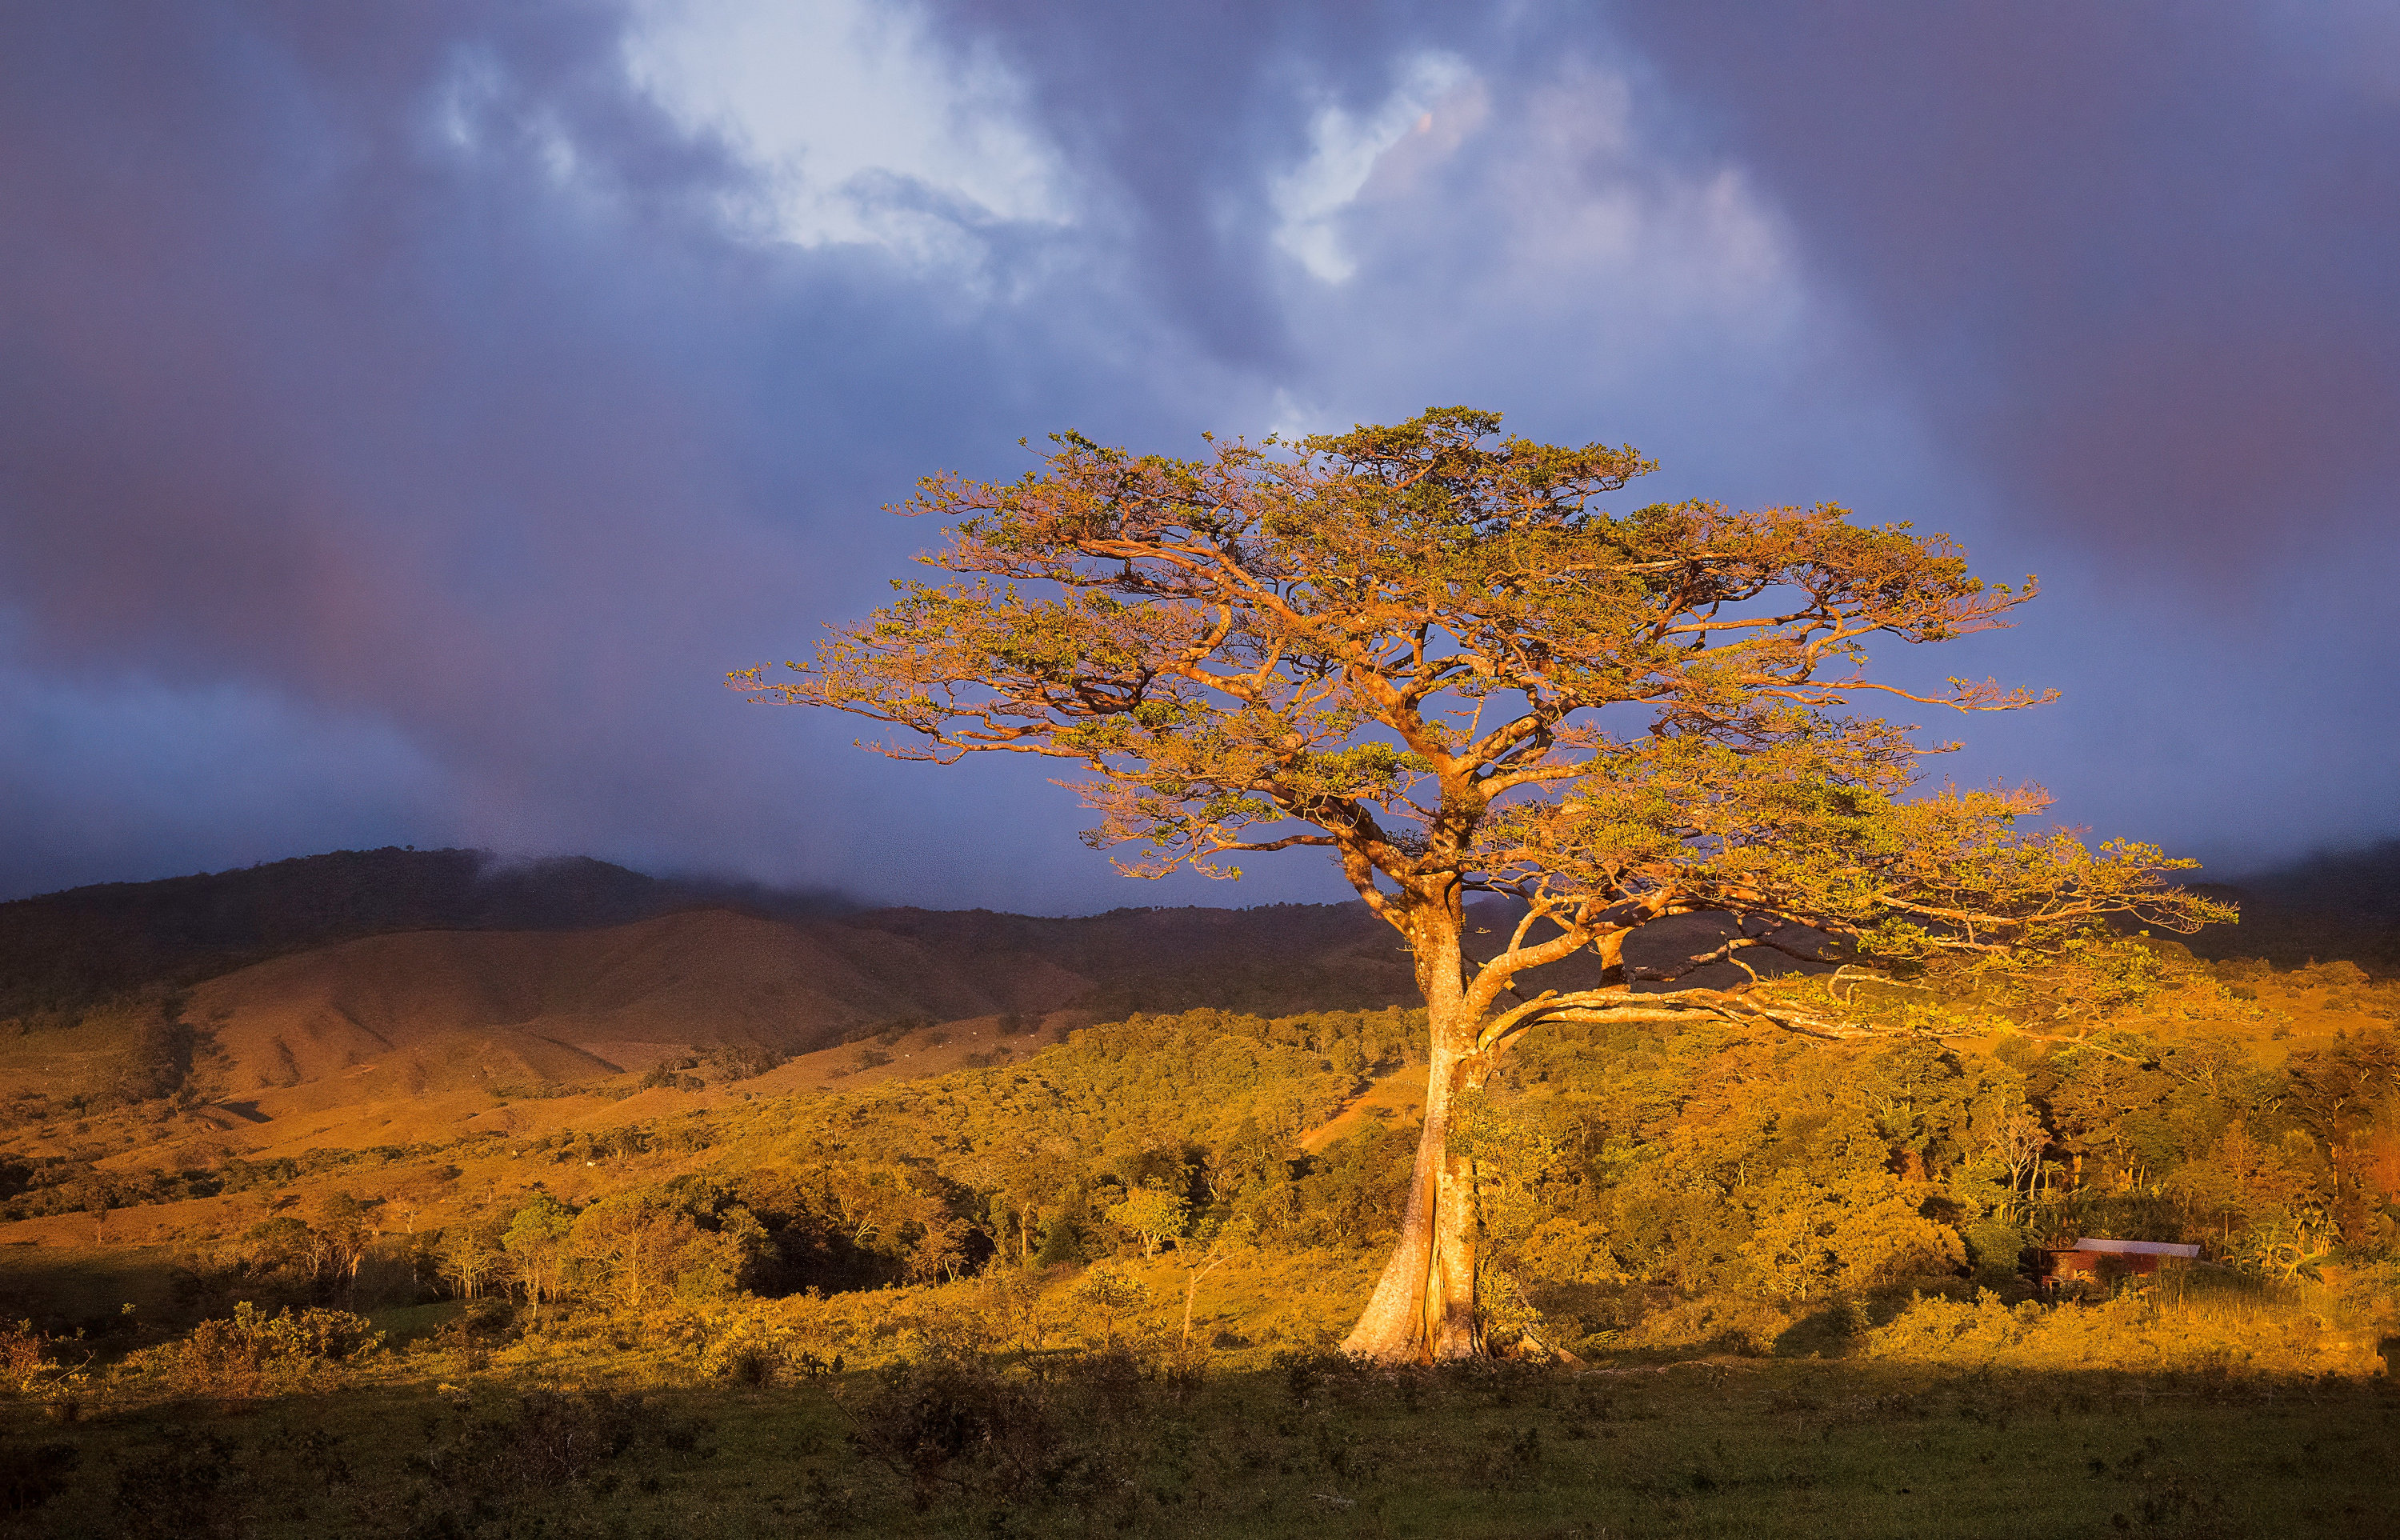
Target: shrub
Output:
[(1154, 1214), (254, 1354), (189, 1485), (1110, 1292), (475, 1330), (27, 1365), (2175, 1326), (952, 1420), (750, 1347), (1716, 1324), (743, 1060), (1852, 1231), (1062, 1243), (31, 1477)]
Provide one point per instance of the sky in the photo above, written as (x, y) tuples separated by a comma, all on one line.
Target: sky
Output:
[(409, 414)]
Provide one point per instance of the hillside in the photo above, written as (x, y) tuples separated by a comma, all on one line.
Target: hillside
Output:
[(362, 998), (366, 997), (2337, 906), (404, 1015), (65, 951), (974, 1201)]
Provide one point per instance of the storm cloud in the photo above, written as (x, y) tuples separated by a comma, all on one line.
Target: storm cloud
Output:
[(407, 414)]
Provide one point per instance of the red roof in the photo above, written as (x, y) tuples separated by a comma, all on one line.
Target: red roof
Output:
[(2136, 1248)]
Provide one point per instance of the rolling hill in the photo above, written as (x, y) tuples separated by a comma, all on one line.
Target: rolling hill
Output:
[(62, 952), (364, 997)]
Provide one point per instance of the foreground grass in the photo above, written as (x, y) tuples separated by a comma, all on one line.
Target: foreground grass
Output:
[(1075, 1445)]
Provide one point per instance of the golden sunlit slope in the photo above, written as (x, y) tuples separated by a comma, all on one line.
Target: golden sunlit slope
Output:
[(576, 1006)]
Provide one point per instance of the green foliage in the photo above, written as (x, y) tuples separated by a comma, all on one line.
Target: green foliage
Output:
[(537, 1245), (1109, 1293), (1724, 1166), (37, 1367), (2179, 1322), (1155, 1215), (256, 1354), (1816, 1233)]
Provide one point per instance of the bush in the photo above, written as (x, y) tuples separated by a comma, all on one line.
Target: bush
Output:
[(1994, 1248), (2174, 1325), (751, 1348), (549, 1443), (1109, 1293), (475, 1330), (1750, 1327), (189, 1485), (743, 1060), (254, 1354), (29, 1369), (952, 1421), (1062, 1245)]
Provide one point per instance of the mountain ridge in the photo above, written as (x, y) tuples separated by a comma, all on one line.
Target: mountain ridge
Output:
[(70, 949)]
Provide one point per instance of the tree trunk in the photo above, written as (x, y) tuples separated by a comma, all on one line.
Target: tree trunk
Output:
[(1422, 1309)]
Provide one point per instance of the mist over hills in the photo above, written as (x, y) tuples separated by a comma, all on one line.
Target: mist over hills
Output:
[(2335, 906), (61, 951)]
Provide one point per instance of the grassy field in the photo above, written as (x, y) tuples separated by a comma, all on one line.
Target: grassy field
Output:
[(1088, 1445)]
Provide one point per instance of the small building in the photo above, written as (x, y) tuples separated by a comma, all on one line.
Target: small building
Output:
[(2096, 1260)]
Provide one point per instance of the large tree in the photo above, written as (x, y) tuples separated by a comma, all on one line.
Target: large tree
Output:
[(1431, 651)]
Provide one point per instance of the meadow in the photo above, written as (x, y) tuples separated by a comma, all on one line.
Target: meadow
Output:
[(947, 1440)]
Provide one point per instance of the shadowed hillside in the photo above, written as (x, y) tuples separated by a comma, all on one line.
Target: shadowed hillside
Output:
[(1317, 956), (362, 998), (2343, 905), (578, 1005), (349, 997), (66, 950)]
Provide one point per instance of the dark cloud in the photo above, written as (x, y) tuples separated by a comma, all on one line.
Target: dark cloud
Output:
[(1179, 110), (403, 422), (398, 381), (2139, 258)]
